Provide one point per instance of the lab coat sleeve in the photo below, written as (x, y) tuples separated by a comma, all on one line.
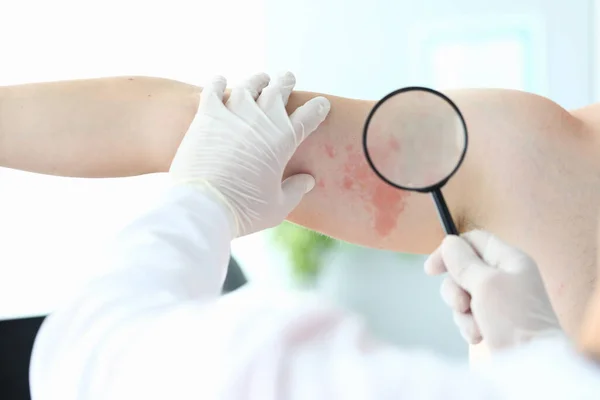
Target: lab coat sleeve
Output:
[(157, 328), (546, 368)]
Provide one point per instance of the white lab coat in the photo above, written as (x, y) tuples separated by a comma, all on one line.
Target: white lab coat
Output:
[(157, 328)]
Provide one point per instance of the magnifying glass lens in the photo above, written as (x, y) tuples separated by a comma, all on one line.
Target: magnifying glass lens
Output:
[(415, 139)]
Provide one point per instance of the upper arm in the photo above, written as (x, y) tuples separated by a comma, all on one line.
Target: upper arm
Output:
[(537, 189), (349, 202), (524, 149)]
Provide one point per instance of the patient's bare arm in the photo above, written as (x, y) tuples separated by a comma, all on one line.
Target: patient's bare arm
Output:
[(107, 127), (512, 136), (127, 126), (350, 202)]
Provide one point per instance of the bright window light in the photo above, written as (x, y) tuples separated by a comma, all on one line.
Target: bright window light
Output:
[(52, 229), (495, 63)]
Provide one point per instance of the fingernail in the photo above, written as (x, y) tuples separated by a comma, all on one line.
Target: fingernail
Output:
[(324, 107), (288, 75), (310, 184), (287, 79)]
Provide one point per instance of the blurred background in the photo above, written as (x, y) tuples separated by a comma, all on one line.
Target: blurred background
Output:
[(52, 229)]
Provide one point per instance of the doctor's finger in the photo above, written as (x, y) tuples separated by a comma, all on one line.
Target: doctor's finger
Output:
[(278, 89), (455, 296), (307, 118), (255, 84), (214, 90), (434, 264), (464, 265), (490, 248), (468, 327)]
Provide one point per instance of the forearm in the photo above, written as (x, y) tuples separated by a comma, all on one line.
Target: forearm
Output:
[(107, 127)]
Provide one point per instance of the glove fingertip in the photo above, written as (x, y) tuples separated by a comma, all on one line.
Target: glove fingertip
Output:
[(476, 339), (307, 118), (294, 188), (307, 180), (310, 183), (434, 265), (323, 105), (450, 240), (255, 84), (218, 81), (216, 87), (287, 78), (263, 76), (464, 303)]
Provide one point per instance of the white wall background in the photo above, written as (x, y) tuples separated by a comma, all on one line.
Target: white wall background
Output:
[(51, 228), (351, 49), (180, 39)]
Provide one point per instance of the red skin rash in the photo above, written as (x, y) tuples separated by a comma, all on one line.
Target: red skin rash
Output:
[(389, 204), (330, 151), (383, 202), (394, 145)]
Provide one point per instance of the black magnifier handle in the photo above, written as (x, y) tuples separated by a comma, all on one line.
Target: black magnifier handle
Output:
[(443, 212)]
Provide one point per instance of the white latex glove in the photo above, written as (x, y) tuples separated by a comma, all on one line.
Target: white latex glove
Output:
[(238, 150), (494, 290)]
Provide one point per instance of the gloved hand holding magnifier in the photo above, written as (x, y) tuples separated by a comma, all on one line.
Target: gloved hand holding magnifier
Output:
[(415, 139)]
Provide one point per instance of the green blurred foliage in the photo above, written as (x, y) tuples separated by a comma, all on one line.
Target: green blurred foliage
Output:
[(306, 249)]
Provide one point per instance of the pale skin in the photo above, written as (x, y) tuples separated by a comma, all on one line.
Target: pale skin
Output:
[(588, 340), (531, 174)]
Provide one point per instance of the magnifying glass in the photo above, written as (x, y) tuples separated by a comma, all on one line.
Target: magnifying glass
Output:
[(415, 139)]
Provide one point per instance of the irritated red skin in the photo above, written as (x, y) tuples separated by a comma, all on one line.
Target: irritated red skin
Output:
[(383, 202), (329, 150), (349, 200), (394, 144)]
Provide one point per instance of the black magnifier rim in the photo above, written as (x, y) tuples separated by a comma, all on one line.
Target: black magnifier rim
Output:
[(442, 182)]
